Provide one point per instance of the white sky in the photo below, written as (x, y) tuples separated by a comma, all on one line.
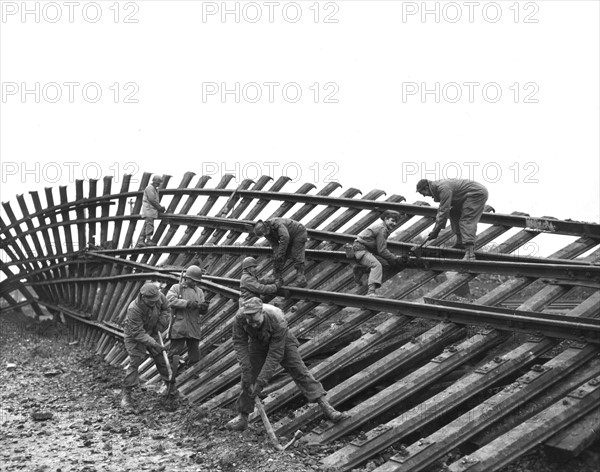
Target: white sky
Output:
[(541, 157)]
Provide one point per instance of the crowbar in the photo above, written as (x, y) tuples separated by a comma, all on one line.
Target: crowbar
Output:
[(417, 250), (171, 386), (267, 423)]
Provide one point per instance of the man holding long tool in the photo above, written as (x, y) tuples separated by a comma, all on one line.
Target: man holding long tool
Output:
[(147, 315), (262, 342), (186, 299), (461, 200)]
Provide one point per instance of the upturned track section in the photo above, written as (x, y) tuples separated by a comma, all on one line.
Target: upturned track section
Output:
[(493, 356)]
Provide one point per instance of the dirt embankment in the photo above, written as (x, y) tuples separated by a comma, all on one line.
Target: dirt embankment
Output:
[(60, 412)]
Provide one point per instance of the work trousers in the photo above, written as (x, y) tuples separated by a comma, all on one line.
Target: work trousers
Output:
[(464, 218), (295, 252), (137, 353), (292, 364), (374, 264), (178, 347), (147, 230)]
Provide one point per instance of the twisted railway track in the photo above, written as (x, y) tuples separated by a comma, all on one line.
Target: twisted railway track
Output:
[(421, 371)]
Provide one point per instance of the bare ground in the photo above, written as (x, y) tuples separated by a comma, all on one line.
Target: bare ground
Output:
[(60, 412)]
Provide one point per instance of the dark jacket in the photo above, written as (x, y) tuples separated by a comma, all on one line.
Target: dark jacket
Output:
[(453, 193), (252, 286), (186, 321), (374, 239), (273, 336), (280, 231), (143, 322)]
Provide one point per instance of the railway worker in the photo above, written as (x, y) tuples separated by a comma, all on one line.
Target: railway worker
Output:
[(262, 342), (151, 208), (146, 315), (288, 240), (463, 202), (371, 252), (186, 300), (251, 285)]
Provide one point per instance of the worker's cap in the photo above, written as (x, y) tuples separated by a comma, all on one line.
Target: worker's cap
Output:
[(252, 305), (150, 291), (422, 184), (157, 178), (390, 214), (249, 262), (260, 228)]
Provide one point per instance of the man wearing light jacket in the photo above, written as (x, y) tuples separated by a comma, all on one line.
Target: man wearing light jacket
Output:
[(146, 315), (151, 207), (463, 202), (187, 303), (371, 252), (262, 343)]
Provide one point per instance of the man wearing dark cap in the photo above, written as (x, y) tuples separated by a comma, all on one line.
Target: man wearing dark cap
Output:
[(146, 315), (371, 252), (262, 342), (463, 202), (288, 240), (151, 207), (186, 300), (251, 285)]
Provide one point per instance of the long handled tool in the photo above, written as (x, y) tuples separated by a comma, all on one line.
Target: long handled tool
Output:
[(267, 423), (418, 250), (171, 387)]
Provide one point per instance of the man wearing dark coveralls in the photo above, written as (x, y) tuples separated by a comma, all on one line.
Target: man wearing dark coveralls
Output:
[(146, 315), (151, 207), (463, 202), (187, 303), (262, 342), (288, 240), (251, 285)]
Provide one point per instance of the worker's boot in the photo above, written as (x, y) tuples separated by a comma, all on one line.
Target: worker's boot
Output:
[(140, 243), (127, 402), (358, 272), (300, 278), (373, 292), (469, 253), (329, 411), (149, 242), (458, 244), (239, 423)]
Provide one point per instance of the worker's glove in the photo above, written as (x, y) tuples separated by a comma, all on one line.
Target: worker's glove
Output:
[(256, 390), (157, 349), (278, 260), (192, 304), (279, 283), (163, 209), (269, 279), (433, 235), (203, 307), (399, 260)]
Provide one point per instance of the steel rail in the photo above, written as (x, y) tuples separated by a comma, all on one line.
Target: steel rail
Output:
[(551, 325), (539, 224), (341, 238)]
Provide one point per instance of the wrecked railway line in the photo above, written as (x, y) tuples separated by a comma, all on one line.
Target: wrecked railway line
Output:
[(419, 370)]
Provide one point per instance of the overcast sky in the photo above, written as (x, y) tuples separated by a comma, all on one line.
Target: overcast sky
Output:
[(373, 94)]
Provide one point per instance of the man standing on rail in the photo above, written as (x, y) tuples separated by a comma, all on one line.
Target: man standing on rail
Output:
[(463, 202), (147, 315), (288, 240), (262, 342), (151, 207), (251, 285), (371, 252), (186, 300)]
